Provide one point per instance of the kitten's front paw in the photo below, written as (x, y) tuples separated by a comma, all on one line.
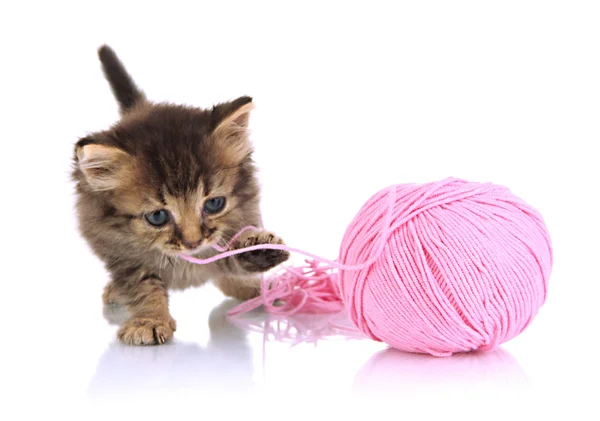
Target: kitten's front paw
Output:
[(147, 330), (260, 260)]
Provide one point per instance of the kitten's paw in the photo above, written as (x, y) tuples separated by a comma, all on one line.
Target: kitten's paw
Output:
[(147, 330), (260, 260)]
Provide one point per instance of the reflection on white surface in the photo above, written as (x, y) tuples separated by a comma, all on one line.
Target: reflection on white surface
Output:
[(223, 366), (282, 356), (391, 372)]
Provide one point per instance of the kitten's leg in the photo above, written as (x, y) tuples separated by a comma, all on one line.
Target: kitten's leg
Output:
[(259, 260), (148, 303), (239, 288)]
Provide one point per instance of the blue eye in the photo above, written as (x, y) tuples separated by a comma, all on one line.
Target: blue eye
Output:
[(157, 218), (214, 205)]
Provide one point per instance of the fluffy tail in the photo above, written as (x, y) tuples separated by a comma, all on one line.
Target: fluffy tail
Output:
[(122, 85)]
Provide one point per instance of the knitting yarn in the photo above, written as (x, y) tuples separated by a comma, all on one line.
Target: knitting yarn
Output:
[(438, 268), (465, 266)]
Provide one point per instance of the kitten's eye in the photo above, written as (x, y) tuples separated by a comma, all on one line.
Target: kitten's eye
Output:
[(214, 205), (157, 218)]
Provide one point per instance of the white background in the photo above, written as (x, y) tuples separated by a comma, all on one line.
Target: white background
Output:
[(350, 97)]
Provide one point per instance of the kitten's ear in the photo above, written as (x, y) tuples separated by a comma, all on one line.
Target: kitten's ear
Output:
[(104, 167), (230, 128)]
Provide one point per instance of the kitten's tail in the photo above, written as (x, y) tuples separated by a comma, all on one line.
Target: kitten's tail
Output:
[(121, 83)]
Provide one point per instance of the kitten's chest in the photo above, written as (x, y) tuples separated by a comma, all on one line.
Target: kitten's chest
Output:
[(182, 275)]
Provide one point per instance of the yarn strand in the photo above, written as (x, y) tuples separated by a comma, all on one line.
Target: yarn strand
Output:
[(332, 263), (312, 288)]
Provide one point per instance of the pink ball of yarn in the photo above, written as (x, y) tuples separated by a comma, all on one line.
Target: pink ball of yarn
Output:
[(460, 266)]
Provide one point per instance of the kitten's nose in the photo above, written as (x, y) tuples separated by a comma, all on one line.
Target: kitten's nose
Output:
[(192, 244)]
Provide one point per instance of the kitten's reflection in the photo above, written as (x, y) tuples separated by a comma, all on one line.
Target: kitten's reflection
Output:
[(392, 372), (224, 366)]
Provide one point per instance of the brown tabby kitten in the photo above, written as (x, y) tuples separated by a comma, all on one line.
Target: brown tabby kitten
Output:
[(168, 179)]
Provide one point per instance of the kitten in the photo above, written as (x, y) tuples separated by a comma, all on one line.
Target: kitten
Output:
[(169, 179)]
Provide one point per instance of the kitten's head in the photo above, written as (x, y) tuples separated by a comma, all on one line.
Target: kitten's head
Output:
[(181, 178)]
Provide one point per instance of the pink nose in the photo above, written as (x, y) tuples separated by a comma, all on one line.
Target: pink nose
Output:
[(192, 245)]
